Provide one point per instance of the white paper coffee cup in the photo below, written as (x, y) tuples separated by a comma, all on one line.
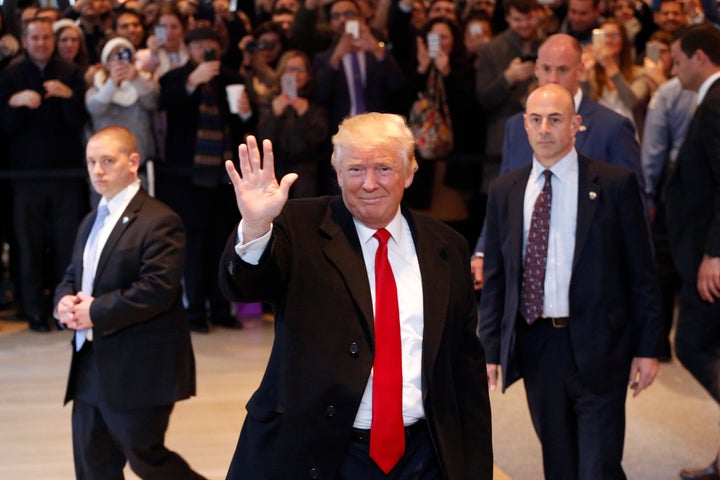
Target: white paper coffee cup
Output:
[(234, 92)]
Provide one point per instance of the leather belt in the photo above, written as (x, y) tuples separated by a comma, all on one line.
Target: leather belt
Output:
[(362, 435), (556, 322)]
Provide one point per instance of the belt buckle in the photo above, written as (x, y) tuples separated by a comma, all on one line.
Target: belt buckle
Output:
[(558, 322)]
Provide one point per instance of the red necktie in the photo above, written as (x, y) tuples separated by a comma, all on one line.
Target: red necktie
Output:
[(532, 294), (387, 432)]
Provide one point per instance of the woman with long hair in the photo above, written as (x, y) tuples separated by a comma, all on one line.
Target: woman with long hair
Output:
[(167, 51), (297, 126), (613, 78), (446, 184), (70, 44)]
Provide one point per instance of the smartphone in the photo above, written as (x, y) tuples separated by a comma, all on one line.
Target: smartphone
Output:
[(652, 51), (160, 33), (433, 44), (353, 28), (210, 55), (125, 55), (598, 37), (475, 29), (528, 57), (288, 83)]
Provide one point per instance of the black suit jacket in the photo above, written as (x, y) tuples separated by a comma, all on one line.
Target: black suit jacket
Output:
[(693, 191), (141, 337), (299, 420), (382, 80), (614, 295)]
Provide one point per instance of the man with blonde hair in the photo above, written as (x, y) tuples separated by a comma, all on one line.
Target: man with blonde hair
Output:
[(376, 368)]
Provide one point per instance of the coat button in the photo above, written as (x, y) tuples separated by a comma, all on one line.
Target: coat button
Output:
[(330, 411), (354, 349), (314, 473)]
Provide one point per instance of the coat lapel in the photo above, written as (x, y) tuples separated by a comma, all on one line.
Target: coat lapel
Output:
[(125, 220), (344, 252), (586, 123), (516, 201), (588, 197), (435, 273)]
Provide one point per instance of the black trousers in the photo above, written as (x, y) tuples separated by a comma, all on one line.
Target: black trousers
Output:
[(46, 215), (418, 463), (581, 432), (697, 338), (209, 215), (104, 438)]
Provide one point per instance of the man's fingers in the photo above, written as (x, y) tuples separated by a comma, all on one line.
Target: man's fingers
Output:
[(268, 162), (232, 173), (253, 154), (287, 181)]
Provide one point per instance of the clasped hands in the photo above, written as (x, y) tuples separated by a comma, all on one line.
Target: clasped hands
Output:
[(32, 99), (74, 311)]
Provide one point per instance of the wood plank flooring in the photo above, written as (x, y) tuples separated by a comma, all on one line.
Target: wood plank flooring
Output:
[(672, 425), (35, 428)]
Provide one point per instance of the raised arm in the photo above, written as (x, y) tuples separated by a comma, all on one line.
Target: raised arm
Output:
[(259, 196)]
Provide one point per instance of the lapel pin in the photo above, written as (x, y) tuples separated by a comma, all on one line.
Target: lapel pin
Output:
[(125, 220), (592, 195), (582, 128)]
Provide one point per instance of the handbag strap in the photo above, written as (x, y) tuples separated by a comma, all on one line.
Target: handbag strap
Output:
[(435, 91)]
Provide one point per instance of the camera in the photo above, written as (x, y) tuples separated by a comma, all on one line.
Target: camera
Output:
[(254, 45), (210, 55), (124, 55)]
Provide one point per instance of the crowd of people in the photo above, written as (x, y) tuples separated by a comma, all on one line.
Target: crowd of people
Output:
[(192, 81)]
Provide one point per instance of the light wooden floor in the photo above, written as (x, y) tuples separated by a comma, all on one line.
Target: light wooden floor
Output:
[(672, 425), (35, 428)]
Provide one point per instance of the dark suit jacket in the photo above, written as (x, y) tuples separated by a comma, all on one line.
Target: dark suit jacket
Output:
[(604, 135), (382, 80), (614, 295), (183, 113), (693, 192), (314, 274), (141, 338)]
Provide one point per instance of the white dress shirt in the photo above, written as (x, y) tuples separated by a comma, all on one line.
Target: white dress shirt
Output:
[(116, 207), (563, 222), (406, 269)]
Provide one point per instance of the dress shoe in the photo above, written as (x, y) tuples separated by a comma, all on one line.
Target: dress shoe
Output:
[(708, 473), (39, 323), (199, 326), (226, 320)]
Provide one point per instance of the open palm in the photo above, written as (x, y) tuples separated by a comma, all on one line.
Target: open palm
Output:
[(260, 198)]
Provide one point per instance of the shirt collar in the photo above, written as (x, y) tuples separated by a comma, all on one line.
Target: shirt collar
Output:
[(565, 170), (702, 91), (578, 99), (395, 227), (120, 201)]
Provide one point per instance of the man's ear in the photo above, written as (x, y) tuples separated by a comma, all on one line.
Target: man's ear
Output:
[(135, 161)]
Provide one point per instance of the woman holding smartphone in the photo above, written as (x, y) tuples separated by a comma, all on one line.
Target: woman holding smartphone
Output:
[(452, 180), (166, 49), (297, 126), (613, 79), (120, 94)]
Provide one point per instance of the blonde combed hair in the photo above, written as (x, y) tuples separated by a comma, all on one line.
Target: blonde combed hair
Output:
[(370, 131)]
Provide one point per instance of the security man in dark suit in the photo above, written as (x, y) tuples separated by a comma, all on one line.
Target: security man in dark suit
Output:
[(571, 301), (132, 355), (693, 217)]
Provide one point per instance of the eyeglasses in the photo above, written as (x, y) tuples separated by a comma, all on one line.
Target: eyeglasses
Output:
[(347, 15), (295, 70)]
